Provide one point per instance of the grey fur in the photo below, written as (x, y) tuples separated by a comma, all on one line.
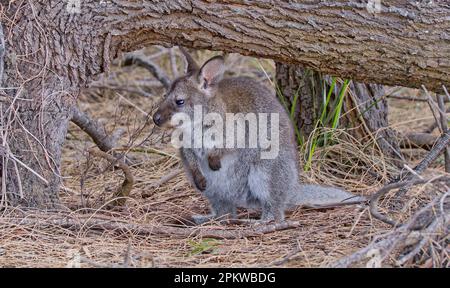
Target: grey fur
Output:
[(243, 179)]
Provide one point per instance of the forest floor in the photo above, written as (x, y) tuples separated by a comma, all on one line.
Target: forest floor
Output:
[(324, 235)]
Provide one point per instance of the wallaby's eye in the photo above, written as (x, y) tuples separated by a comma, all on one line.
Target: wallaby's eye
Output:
[(179, 102)]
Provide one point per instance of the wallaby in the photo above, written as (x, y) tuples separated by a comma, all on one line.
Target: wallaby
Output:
[(240, 177)]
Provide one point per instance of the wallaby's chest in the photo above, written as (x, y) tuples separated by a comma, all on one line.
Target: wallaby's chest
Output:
[(230, 181)]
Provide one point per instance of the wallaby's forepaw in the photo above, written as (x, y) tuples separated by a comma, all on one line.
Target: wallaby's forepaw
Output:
[(200, 219), (199, 181), (214, 162)]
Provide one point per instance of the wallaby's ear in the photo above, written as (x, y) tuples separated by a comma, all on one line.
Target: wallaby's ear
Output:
[(212, 72), (191, 66)]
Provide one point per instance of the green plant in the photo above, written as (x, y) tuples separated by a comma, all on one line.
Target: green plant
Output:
[(317, 138), (205, 245)]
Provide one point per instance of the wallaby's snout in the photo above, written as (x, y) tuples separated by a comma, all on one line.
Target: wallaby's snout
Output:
[(157, 118), (163, 115)]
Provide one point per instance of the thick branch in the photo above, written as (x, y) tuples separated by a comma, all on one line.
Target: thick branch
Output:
[(97, 133), (2, 53), (417, 140), (444, 127), (139, 59), (406, 44)]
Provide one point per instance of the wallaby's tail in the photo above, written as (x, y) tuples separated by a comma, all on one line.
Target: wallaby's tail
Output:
[(311, 195)]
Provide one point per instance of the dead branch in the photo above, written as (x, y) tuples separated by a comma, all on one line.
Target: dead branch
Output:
[(410, 98), (383, 191), (417, 140), (441, 144), (2, 53), (123, 192), (93, 222), (405, 235), (95, 131), (169, 176), (446, 92), (433, 107), (444, 127), (173, 62), (138, 58)]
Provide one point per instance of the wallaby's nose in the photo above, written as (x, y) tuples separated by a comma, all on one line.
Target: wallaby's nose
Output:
[(157, 118)]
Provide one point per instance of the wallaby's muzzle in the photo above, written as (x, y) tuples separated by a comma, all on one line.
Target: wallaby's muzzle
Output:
[(157, 118), (162, 116)]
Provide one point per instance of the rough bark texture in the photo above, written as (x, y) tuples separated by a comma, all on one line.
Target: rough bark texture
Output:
[(48, 58), (406, 44), (52, 50), (371, 116), (304, 87)]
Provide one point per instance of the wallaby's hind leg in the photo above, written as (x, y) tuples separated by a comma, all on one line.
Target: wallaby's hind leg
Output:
[(219, 209), (272, 212), (270, 195)]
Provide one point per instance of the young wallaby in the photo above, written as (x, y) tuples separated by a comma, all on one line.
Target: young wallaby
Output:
[(240, 177)]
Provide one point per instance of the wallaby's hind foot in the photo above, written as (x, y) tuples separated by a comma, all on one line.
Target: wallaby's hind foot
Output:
[(200, 219), (272, 213)]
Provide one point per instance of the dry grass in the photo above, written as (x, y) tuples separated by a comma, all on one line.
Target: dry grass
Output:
[(324, 235)]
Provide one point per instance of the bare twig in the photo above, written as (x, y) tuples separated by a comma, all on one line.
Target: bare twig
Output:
[(383, 191), (441, 144), (127, 257), (417, 140), (124, 191), (139, 59), (444, 127), (433, 107), (410, 98), (173, 62), (398, 237), (169, 176), (446, 92), (2, 53), (95, 131)]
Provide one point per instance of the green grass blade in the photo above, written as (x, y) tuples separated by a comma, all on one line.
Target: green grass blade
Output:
[(338, 109)]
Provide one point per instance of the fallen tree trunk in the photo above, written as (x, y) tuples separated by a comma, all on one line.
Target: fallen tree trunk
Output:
[(407, 43)]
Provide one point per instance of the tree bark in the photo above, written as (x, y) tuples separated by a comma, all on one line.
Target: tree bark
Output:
[(407, 44), (368, 110), (48, 58), (301, 89), (53, 50)]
